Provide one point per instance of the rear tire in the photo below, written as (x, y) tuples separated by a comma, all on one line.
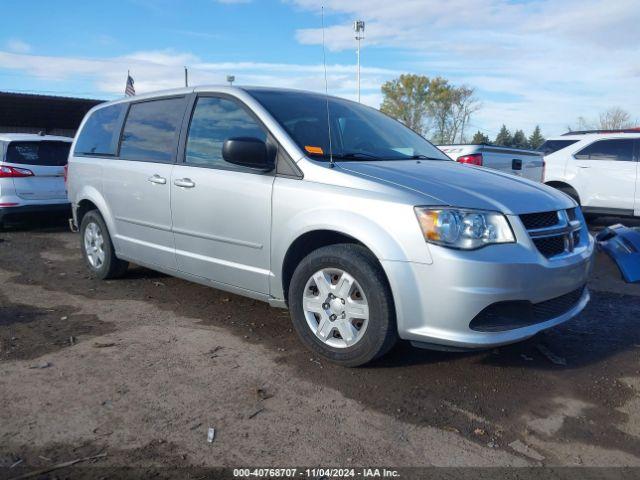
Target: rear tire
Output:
[(97, 248), (341, 305)]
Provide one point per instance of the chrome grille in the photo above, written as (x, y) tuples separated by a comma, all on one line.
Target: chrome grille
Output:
[(553, 233)]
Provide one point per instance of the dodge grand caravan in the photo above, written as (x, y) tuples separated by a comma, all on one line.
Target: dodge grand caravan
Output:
[(362, 228)]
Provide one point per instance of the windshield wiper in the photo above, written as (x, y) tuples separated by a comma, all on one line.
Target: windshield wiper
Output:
[(423, 157), (356, 155), (417, 157)]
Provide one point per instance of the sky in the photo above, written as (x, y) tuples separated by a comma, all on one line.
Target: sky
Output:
[(531, 62)]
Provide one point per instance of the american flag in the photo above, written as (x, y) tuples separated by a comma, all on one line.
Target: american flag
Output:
[(129, 90)]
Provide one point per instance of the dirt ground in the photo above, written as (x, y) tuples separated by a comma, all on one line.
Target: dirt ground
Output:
[(140, 368)]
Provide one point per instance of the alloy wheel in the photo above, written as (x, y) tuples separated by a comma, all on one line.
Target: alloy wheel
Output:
[(335, 307)]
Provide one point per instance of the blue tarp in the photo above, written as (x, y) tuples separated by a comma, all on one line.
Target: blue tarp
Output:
[(623, 245)]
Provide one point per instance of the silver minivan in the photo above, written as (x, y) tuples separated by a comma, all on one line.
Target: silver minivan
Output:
[(362, 228)]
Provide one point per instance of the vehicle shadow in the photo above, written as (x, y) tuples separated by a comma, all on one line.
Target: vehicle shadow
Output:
[(32, 223), (136, 272)]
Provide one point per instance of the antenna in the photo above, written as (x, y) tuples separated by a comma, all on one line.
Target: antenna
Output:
[(326, 92), (358, 27)]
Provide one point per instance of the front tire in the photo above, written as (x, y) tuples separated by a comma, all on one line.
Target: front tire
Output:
[(341, 305), (97, 248)]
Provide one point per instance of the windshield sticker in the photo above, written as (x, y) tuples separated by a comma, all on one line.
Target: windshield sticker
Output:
[(314, 150)]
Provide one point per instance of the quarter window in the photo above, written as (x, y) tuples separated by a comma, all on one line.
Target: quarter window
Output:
[(101, 131), (614, 150), (151, 130), (214, 121), (552, 146)]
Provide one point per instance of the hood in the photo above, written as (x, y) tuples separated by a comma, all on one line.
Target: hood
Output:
[(465, 186)]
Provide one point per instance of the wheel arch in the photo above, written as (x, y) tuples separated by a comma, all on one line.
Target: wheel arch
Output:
[(561, 185), (312, 240), (91, 199)]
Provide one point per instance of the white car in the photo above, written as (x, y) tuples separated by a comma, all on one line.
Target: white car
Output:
[(516, 161), (597, 169), (32, 174)]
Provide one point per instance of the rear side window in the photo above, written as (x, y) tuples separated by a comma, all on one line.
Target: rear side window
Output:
[(552, 146), (101, 131), (151, 130), (46, 153), (614, 150)]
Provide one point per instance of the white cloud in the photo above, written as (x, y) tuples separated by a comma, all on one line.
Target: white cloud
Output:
[(163, 69), (18, 46), (540, 61)]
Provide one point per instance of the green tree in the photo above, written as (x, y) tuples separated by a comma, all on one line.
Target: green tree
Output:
[(519, 140), (536, 139), (451, 108), (504, 138), (407, 99), (480, 138), (431, 107)]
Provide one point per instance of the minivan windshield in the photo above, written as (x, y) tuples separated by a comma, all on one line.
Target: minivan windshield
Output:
[(43, 153), (358, 132)]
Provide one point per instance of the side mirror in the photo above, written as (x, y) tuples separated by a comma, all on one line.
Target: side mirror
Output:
[(249, 152)]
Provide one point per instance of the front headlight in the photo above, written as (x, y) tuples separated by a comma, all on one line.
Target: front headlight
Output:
[(462, 228)]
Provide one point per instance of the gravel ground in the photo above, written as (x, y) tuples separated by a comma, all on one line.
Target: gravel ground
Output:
[(140, 368)]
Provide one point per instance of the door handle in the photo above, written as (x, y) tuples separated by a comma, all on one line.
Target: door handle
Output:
[(184, 182), (157, 179), (583, 166)]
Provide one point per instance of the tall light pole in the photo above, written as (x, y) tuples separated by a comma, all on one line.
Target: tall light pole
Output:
[(358, 27)]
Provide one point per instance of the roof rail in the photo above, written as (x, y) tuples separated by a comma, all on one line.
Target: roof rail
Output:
[(623, 130)]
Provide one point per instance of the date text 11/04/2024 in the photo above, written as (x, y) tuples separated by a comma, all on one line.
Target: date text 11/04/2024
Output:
[(315, 473)]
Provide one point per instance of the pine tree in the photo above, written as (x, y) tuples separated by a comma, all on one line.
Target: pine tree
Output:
[(480, 138), (519, 140), (536, 139), (504, 138)]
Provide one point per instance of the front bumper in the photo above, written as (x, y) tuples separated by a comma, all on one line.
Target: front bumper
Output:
[(436, 303)]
